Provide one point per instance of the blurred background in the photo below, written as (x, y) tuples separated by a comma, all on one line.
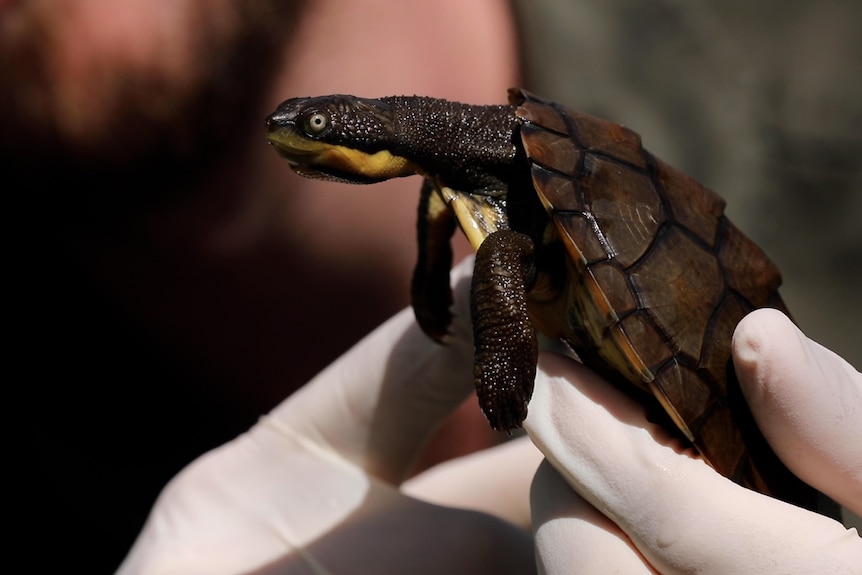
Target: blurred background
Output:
[(173, 280)]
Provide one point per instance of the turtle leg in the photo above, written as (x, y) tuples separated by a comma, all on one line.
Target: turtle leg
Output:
[(506, 349), (430, 293)]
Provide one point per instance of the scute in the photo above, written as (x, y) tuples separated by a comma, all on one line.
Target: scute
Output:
[(749, 271), (539, 112), (591, 246), (693, 206), (621, 299), (720, 441), (608, 139), (554, 151), (715, 353), (679, 284), (625, 205), (647, 339)]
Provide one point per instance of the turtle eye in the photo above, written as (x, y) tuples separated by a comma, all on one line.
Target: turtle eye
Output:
[(316, 123)]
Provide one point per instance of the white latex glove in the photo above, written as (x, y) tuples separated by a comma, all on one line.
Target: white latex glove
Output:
[(314, 486), (620, 496)]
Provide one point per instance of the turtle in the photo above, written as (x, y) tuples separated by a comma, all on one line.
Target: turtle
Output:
[(581, 235)]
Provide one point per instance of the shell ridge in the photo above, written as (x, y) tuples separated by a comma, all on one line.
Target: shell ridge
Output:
[(620, 162), (574, 130), (657, 236), (723, 237)]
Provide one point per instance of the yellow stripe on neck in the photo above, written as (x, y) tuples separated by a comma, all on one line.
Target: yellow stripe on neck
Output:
[(382, 164)]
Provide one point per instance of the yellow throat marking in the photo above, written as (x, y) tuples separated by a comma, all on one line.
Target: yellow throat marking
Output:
[(304, 152), (382, 164)]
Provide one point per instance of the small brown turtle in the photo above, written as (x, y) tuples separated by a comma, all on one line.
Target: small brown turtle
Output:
[(580, 233)]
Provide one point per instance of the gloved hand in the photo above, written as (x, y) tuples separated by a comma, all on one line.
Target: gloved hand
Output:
[(314, 486), (621, 496)]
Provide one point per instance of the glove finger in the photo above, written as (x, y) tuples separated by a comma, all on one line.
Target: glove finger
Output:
[(495, 480), (379, 402), (680, 514), (806, 399), (573, 536), (238, 509)]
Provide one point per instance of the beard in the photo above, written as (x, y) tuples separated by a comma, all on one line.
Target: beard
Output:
[(131, 94)]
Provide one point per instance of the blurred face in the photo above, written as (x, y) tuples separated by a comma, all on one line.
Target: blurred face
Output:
[(119, 83)]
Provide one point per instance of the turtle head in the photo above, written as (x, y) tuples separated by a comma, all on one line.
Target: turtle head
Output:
[(341, 138)]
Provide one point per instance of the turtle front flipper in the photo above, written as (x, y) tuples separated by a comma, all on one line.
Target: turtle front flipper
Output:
[(504, 339), (430, 293)]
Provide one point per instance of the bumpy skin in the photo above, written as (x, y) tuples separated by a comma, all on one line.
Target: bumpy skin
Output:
[(504, 339), (586, 237)]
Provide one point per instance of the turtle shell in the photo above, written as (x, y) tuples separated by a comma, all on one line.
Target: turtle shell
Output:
[(658, 280)]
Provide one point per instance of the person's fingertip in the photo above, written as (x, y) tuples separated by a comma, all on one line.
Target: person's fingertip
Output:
[(757, 337), (752, 334)]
